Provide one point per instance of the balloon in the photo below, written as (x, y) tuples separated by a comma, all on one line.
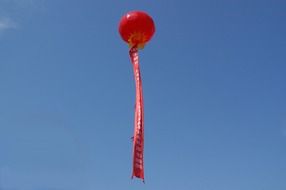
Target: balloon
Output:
[(136, 28)]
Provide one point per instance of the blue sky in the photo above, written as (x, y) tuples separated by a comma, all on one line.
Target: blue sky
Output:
[(214, 93)]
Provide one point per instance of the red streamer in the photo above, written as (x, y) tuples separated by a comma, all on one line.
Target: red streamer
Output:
[(138, 138)]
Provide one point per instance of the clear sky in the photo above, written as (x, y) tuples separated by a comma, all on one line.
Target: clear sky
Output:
[(214, 89)]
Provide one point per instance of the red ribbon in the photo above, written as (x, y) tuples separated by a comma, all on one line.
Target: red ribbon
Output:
[(138, 138)]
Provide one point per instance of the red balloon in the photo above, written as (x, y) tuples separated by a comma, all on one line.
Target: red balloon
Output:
[(136, 28)]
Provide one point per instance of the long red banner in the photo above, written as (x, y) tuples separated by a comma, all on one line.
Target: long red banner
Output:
[(138, 138)]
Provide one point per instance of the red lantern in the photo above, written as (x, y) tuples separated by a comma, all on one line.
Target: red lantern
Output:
[(137, 28)]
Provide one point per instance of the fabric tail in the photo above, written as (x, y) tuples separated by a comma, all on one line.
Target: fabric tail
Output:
[(138, 139)]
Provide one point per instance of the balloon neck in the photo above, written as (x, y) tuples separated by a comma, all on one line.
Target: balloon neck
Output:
[(137, 39), (137, 46)]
